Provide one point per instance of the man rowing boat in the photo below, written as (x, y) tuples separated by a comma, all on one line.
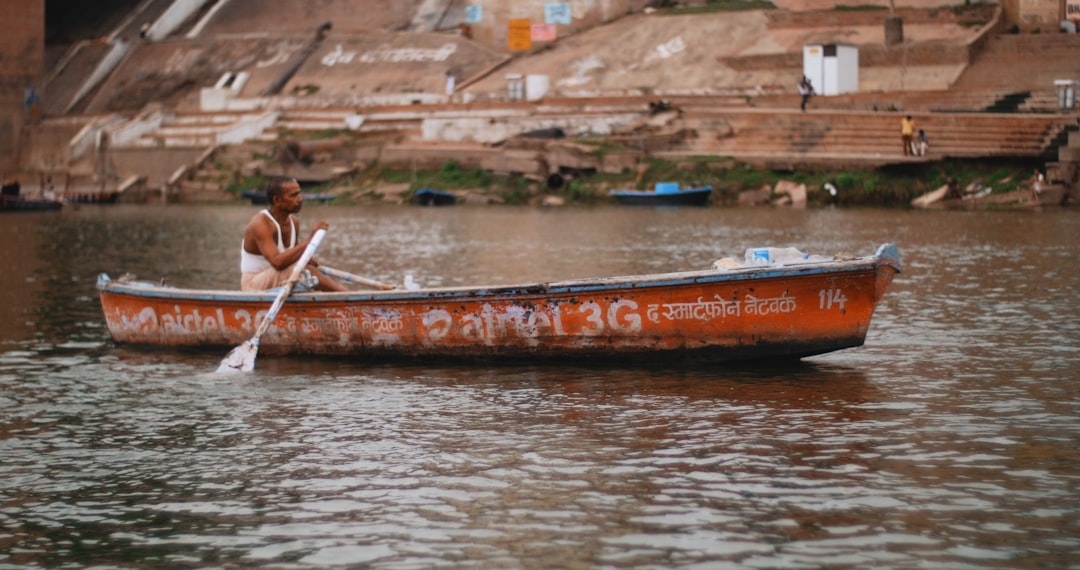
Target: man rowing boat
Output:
[(265, 261)]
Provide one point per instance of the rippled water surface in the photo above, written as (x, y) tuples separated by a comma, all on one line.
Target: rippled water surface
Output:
[(951, 440)]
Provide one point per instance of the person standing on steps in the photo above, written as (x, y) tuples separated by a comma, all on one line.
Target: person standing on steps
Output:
[(907, 129), (1036, 183), (806, 89), (265, 261)]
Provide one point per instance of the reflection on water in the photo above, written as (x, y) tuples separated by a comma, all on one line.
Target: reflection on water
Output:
[(949, 441)]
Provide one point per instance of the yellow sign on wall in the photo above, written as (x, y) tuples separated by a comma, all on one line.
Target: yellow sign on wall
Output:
[(519, 35)]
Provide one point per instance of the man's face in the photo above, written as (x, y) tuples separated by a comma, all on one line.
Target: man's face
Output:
[(290, 199)]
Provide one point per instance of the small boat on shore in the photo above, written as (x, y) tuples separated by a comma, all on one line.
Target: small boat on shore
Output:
[(258, 197), (12, 199), (665, 194), (772, 306), (433, 197), (20, 204), (102, 198)]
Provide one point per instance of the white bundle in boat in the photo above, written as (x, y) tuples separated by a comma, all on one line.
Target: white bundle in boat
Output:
[(779, 256), (769, 256)]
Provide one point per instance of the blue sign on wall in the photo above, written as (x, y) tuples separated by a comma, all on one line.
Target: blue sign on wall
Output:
[(557, 13), (474, 14)]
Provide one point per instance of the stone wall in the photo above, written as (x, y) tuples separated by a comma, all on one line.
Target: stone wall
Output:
[(156, 164), (284, 18), (817, 5), (925, 53), (974, 14), (47, 145), (1028, 16), (1040, 15), (492, 29)]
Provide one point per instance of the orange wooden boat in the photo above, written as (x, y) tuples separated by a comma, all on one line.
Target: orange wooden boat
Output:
[(794, 307)]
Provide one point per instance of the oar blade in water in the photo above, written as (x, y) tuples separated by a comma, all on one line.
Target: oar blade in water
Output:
[(240, 359)]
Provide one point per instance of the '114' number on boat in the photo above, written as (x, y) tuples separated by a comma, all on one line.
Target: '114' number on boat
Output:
[(830, 297)]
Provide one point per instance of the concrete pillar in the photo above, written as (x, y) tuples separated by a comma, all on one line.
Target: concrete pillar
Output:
[(894, 30), (22, 60)]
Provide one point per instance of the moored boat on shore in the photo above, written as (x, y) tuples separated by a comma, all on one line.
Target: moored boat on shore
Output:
[(433, 197), (665, 194), (21, 204), (787, 308), (105, 197)]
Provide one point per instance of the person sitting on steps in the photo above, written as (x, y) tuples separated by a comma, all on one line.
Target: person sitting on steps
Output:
[(921, 143)]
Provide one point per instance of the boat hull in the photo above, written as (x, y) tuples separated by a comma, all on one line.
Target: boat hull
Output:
[(9, 204), (103, 198), (688, 197), (430, 197), (716, 315)]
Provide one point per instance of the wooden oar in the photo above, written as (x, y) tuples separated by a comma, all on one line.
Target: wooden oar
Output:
[(242, 358), (352, 278)]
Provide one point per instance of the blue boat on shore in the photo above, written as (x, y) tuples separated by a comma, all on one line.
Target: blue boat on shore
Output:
[(665, 194), (432, 197)]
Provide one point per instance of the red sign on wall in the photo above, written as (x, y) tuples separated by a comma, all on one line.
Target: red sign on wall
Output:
[(544, 32)]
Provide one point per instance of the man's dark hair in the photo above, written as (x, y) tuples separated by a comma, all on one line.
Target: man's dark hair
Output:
[(275, 186)]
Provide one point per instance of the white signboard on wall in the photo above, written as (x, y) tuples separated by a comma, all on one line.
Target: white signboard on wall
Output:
[(1072, 10)]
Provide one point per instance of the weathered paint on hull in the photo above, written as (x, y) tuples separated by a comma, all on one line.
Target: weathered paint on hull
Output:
[(793, 311)]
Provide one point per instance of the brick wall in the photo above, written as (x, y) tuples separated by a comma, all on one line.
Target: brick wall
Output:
[(925, 53), (22, 56), (1041, 15), (974, 14), (1034, 15)]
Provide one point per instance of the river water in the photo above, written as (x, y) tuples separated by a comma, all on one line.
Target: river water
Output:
[(950, 440)]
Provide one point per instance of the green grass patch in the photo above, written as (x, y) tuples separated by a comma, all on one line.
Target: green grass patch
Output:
[(893, 186), (449, 177)]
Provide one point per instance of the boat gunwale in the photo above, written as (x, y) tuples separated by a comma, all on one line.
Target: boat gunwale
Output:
[(694, 190), (886, 256)]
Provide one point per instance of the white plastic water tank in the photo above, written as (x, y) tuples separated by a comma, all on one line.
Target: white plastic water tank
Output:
[(536, 86), (832, 68)]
